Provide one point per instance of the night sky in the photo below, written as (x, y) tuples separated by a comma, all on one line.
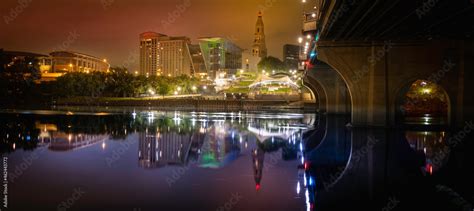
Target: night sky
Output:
[(110, 28)]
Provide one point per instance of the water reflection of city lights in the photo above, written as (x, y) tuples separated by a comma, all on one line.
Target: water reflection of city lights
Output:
[(308, 204), (304, 180), (298, 188)]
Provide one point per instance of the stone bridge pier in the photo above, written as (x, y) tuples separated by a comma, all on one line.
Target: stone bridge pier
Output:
[(330, 90)]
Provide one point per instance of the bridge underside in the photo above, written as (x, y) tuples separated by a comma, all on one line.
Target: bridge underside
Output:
[(379, 48), (376, 74)]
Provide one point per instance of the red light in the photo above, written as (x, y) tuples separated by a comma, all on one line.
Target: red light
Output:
[(257, 187), (429, 168), (306, 166)]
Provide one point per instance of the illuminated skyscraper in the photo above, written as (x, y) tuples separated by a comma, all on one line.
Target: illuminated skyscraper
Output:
[(259, 47), (164, 55), (220, 56)]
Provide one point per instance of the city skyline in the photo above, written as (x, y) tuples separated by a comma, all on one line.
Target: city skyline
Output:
[(105, 32)]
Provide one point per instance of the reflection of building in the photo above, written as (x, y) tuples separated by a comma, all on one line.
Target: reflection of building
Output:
[(220, 56), (61, 141), (430, 144), (164, 55), (291, 56), (259, 47), (258, 157), (157, 149), (219, 148), (66, 142)]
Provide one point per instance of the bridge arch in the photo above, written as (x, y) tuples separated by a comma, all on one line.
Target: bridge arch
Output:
[(318, 91), (329, 84), (402, 100)]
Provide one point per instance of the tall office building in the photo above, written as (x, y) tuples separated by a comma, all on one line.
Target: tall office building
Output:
[(220, 56), (164, 55), (291, 56), (198, 65), (259, 47)]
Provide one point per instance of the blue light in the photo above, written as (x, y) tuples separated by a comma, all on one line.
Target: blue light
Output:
[(311, 181), (313, 54), (28, 138)]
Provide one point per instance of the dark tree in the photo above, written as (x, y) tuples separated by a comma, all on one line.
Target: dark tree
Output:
[(271, 63)]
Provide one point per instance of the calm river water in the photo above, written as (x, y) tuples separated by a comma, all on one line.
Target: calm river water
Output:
[(152, 160)]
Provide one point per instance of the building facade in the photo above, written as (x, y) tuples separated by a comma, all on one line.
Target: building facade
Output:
[(198, 64), (291, 55), (221, 56), (164, 55), (259, 47), (61, 62)]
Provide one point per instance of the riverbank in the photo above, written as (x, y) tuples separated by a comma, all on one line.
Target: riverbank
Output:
[(185, 104)]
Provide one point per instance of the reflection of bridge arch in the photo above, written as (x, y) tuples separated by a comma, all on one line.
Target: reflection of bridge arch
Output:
[(318, 91)]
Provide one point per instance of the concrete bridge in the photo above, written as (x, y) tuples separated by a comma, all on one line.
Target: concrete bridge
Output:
[(363, 56)]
